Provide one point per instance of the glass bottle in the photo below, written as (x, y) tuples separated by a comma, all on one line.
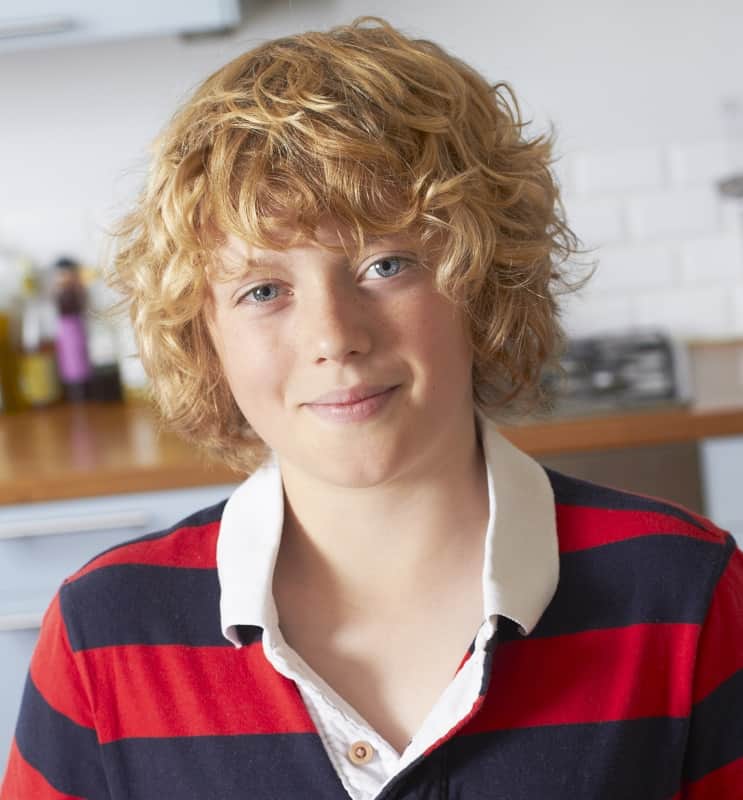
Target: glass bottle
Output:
[(105, 380), (73, 362), (10, 394), (38, 378)]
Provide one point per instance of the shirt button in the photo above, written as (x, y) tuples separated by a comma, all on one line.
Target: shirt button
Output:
[(360, 753)]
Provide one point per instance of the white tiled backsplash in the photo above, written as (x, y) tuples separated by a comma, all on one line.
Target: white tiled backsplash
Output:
[(669, 247)]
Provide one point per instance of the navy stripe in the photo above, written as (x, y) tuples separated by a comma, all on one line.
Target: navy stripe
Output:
[(634, 581), (625, 760), (249, 634), (487, 669), (716, 736), (65, 753), (199, 519), (507, 629), (143, 604), (576, 492), (661, 578), (258, 767)]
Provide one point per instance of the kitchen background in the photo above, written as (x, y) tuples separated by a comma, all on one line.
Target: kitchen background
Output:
[(638, 93), (647, 101)]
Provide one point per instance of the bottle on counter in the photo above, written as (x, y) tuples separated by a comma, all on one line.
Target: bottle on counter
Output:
[(105, 380), (73, 362), (11, 398), (37, 366)]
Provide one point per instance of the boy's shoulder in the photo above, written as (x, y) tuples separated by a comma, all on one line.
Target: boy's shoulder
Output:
[(161, 587), (590, 514), (628, 559), (190, 542)]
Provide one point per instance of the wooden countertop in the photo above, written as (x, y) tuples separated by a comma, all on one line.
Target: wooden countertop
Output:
[(82, 451)]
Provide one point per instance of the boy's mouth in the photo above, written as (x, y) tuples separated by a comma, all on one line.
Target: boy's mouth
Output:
[(354, 394), (355, 404)]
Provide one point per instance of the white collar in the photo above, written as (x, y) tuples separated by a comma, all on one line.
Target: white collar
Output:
[(521, 560)]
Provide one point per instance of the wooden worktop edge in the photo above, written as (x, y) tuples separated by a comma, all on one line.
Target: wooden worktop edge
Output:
[(172, 464)]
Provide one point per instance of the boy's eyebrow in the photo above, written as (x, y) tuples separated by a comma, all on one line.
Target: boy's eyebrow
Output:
[(247, 265), (260, 262)]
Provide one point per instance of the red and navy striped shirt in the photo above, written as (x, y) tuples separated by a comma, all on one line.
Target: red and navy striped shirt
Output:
[(629, 687)]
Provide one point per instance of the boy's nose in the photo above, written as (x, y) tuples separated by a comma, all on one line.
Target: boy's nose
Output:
[(336, 328)]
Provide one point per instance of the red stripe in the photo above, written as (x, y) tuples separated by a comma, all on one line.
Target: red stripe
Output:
[(171, 690), (725, 783), (703, 522), (595, 676), (466, 658), (54, 672), (720, 648), (23, 782), (185, 547), (582, 527)]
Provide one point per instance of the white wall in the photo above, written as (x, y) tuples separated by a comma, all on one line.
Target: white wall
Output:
[(635, 90)]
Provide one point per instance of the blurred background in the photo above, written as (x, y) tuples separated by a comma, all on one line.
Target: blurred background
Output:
[(647, 103)]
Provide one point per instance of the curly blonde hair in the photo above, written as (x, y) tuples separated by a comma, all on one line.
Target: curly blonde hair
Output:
[(384, 134)]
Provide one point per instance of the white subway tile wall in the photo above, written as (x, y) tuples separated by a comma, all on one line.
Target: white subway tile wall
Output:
[(737, 329), (624, 268), (621, 170), (732, 214), (674, 213), (598, 221), (701, 163), (701, 311), (712, 259), (668, 246), (583, 315)]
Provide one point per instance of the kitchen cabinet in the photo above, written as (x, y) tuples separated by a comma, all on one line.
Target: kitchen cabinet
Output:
[(722, 461), (42, 543), (52, 23), (670, 471)]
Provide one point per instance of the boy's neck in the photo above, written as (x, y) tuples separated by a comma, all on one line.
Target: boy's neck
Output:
[(351, 548)]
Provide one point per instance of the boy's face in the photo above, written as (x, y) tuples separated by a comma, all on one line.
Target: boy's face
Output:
[(353, 373)]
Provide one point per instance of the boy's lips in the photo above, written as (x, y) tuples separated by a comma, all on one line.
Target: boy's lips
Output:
[(352, 405), (354, 394)]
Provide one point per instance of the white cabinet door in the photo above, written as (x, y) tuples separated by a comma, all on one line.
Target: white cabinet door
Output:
[(43, 543), (16, 648), (50, 23), (722, 470)]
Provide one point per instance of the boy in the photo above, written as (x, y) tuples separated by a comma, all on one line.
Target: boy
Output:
[(342, 268)]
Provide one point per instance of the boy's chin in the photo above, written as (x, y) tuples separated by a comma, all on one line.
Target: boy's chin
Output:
[(366, 468)]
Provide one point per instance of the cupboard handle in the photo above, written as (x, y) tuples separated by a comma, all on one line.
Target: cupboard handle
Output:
[(20, 622), (110, 521), (42, 26)]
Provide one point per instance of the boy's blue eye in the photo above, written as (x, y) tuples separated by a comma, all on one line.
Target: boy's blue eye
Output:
[(262, 293), (388, 267)]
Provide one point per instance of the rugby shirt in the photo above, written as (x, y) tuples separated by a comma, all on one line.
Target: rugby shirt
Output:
[(519, 577), (630, 686)]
